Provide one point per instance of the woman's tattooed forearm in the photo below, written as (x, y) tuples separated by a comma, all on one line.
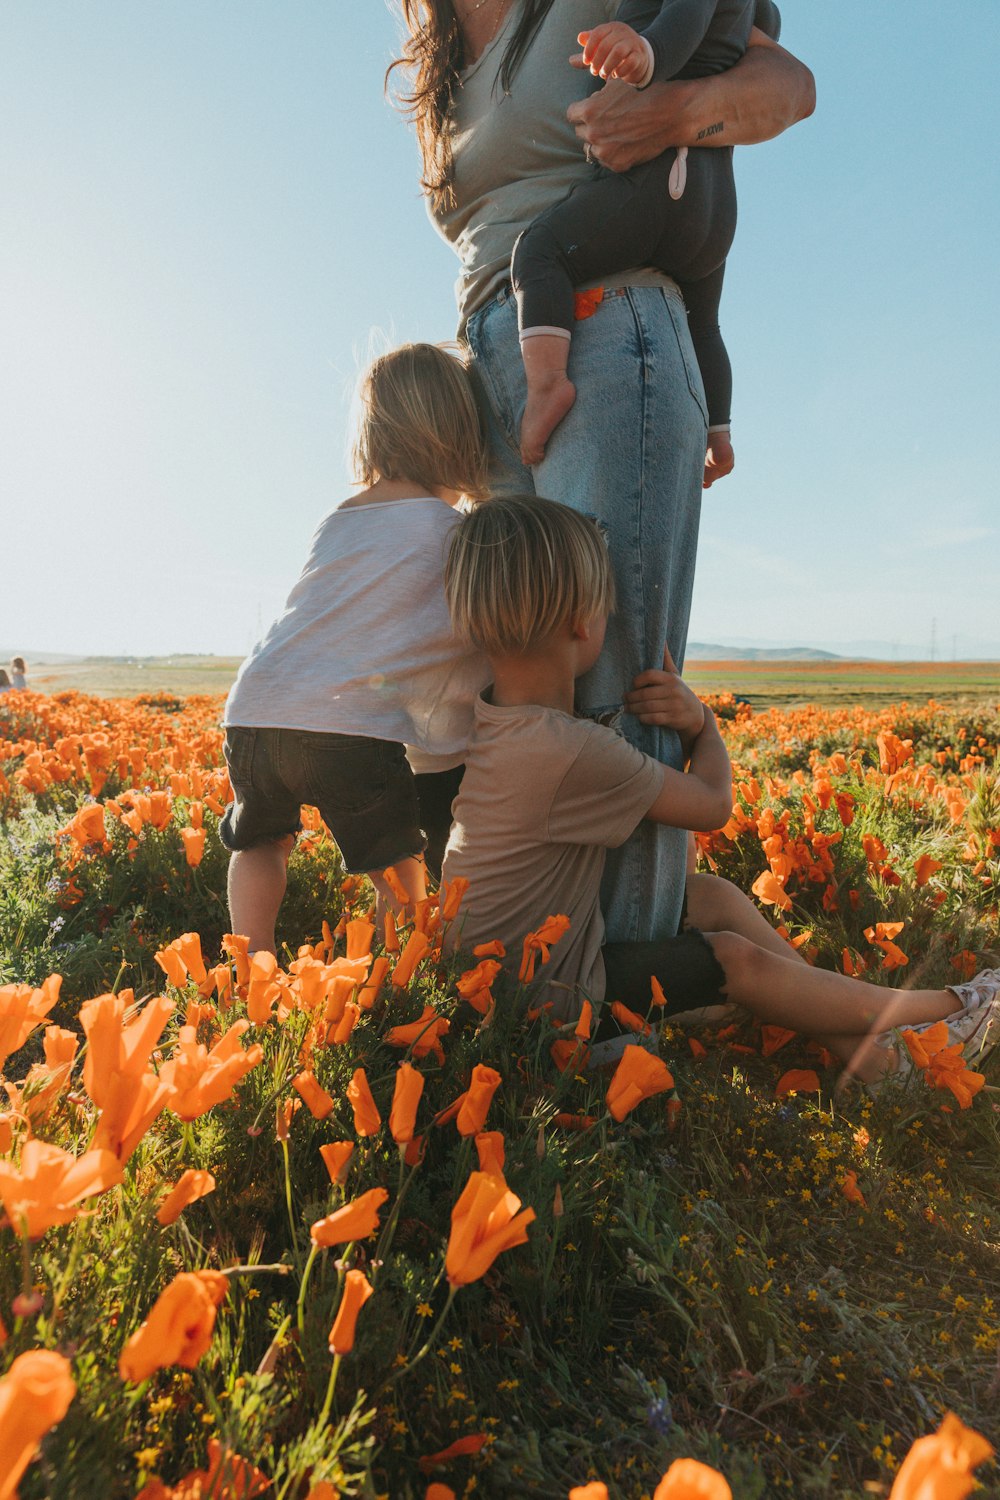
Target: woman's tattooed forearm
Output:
[(715, 129)]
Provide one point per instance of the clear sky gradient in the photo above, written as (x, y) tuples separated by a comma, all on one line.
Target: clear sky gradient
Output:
[(209, 211)]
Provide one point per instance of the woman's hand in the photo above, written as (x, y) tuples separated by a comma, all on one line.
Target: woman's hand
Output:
[(767, 91)]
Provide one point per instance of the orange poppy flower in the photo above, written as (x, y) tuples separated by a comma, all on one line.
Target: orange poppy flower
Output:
[(595, 1491), (939, 1466), (236, 946), (44, 1082), (355, 1221), (477, 1099), (342, 987), (367, 1120), (50, 1185), (318, 1102), (638, 1076), (190, 1186), (228, 1477), (773, 1038), (179, 1327), (116, 1072), (770, 892), (359, 937), (567, 1054), (368, 993), (797, 1081), (422, 1037), (479, 978), (193, 840), (337, 1159), (262, 988), (417, 946), (35, 1394), (687, 1479), (396, 886), (357, 1290), (484, 1222), (538, 944), (198, 1079), (463, 1447), (490, 1150), (451, 894), (659, 998), (925, 867), (495, 949), (851, 1191), (284, 1113), (405, 1100), (881, 936), (575, 1122), (438, 1491), (944, 1065), (21, 1010), (630, 1020)]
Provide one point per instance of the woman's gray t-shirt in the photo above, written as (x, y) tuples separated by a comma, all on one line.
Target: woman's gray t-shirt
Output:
[(517, 154)]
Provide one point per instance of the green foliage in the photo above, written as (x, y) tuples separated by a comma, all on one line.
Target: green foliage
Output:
[(694, 1284)]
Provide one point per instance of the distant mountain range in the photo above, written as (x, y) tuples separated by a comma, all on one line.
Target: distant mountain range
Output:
[(699, 651)]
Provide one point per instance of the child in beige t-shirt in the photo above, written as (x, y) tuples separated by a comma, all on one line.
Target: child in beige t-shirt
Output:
[(545, 794)]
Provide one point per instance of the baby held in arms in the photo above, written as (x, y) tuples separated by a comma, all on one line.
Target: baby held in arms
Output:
[(676, 213)]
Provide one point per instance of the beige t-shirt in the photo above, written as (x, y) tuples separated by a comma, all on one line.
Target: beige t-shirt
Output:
[(543, 797), (516, 154)]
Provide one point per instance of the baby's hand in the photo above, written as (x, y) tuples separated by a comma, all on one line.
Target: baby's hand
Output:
[(719, 459), (663, 697), (614, 50)]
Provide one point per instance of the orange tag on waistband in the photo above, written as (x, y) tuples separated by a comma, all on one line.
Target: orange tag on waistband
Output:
[(585, 304)]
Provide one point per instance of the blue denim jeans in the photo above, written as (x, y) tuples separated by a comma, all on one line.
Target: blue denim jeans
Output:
[(630, 453)]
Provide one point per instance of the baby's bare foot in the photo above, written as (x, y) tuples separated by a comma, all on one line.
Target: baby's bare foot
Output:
[(548, 402)]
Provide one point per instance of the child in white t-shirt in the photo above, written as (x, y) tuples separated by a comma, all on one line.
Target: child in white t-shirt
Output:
[(358, 699), (544, 794)]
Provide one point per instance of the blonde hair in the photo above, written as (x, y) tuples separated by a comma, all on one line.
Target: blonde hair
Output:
[(419, 419), (519, 567)]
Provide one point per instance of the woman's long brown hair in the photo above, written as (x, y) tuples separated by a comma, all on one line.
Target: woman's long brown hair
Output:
[(433, 58)]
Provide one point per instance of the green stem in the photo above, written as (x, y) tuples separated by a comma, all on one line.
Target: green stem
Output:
[(68, 1274), (300, 1306), (289, 1205), (331, 1384), (431, 1340)]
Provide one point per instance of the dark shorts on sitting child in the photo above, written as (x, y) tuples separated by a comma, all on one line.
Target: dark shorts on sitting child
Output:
[(685, 967)]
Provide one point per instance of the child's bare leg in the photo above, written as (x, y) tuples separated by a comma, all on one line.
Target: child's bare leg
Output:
[(256, 889), (550, 391), (816, 1002), (716, 905)]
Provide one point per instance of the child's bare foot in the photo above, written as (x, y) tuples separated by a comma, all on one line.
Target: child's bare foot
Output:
[(549, 399)]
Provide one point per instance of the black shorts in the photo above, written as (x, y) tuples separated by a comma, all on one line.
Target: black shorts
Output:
[(364, 790), (686, 967)]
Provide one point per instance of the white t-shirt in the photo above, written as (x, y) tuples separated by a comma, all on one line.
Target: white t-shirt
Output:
[(364, 644), (544, 796)]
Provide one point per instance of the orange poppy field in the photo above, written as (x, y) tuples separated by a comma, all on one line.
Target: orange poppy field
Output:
[(361, 1222)]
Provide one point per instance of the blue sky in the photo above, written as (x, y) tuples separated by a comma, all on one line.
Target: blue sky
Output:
[(210, 212)]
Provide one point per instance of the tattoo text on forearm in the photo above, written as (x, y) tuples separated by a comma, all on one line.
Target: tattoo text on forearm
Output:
[(715, 129)]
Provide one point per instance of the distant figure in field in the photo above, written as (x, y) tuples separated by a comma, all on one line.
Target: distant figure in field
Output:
[(6, 685), (17, 673)]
